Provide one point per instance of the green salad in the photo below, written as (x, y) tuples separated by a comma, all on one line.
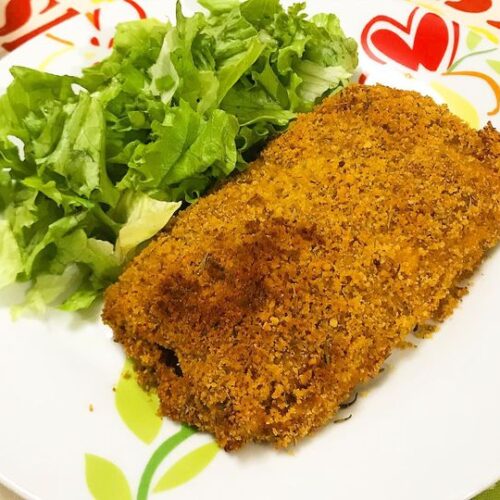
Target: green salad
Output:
[(92, 167)]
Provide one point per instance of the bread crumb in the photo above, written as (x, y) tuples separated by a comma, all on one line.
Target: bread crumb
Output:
[(367, 214)]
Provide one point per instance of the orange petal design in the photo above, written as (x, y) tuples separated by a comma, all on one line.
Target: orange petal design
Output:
[(493, 84)]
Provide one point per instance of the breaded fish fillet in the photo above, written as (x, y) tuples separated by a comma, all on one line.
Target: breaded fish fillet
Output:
[(264, 305)]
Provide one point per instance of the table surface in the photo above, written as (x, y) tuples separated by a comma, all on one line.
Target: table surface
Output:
[(6, 494)]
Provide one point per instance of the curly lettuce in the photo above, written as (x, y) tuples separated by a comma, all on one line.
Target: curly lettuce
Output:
[(92, 167)]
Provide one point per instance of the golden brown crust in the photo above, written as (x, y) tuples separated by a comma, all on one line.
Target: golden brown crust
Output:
[(287, 287)]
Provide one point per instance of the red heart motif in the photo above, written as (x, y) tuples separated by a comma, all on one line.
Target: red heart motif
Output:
[(429, 45), (17, 13), (470, 5)]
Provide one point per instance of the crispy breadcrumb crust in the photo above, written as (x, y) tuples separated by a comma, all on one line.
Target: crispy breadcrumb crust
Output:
[(264, 305)]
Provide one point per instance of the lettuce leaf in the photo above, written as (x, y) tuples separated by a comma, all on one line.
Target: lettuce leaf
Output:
[(10, 256), (47, 290), (145, 217), (92, 167), (80, 154)]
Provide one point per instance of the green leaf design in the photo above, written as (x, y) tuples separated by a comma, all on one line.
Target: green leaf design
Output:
[(105, 480), (137, 408), (492, 494), (495, 65), (187, 467), (473, 40), (157, 458)]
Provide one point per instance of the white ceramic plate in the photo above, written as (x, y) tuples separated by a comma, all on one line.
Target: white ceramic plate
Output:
[(71, 426)]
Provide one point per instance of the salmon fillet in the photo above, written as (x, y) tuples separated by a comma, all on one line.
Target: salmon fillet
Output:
[(266, 303)]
